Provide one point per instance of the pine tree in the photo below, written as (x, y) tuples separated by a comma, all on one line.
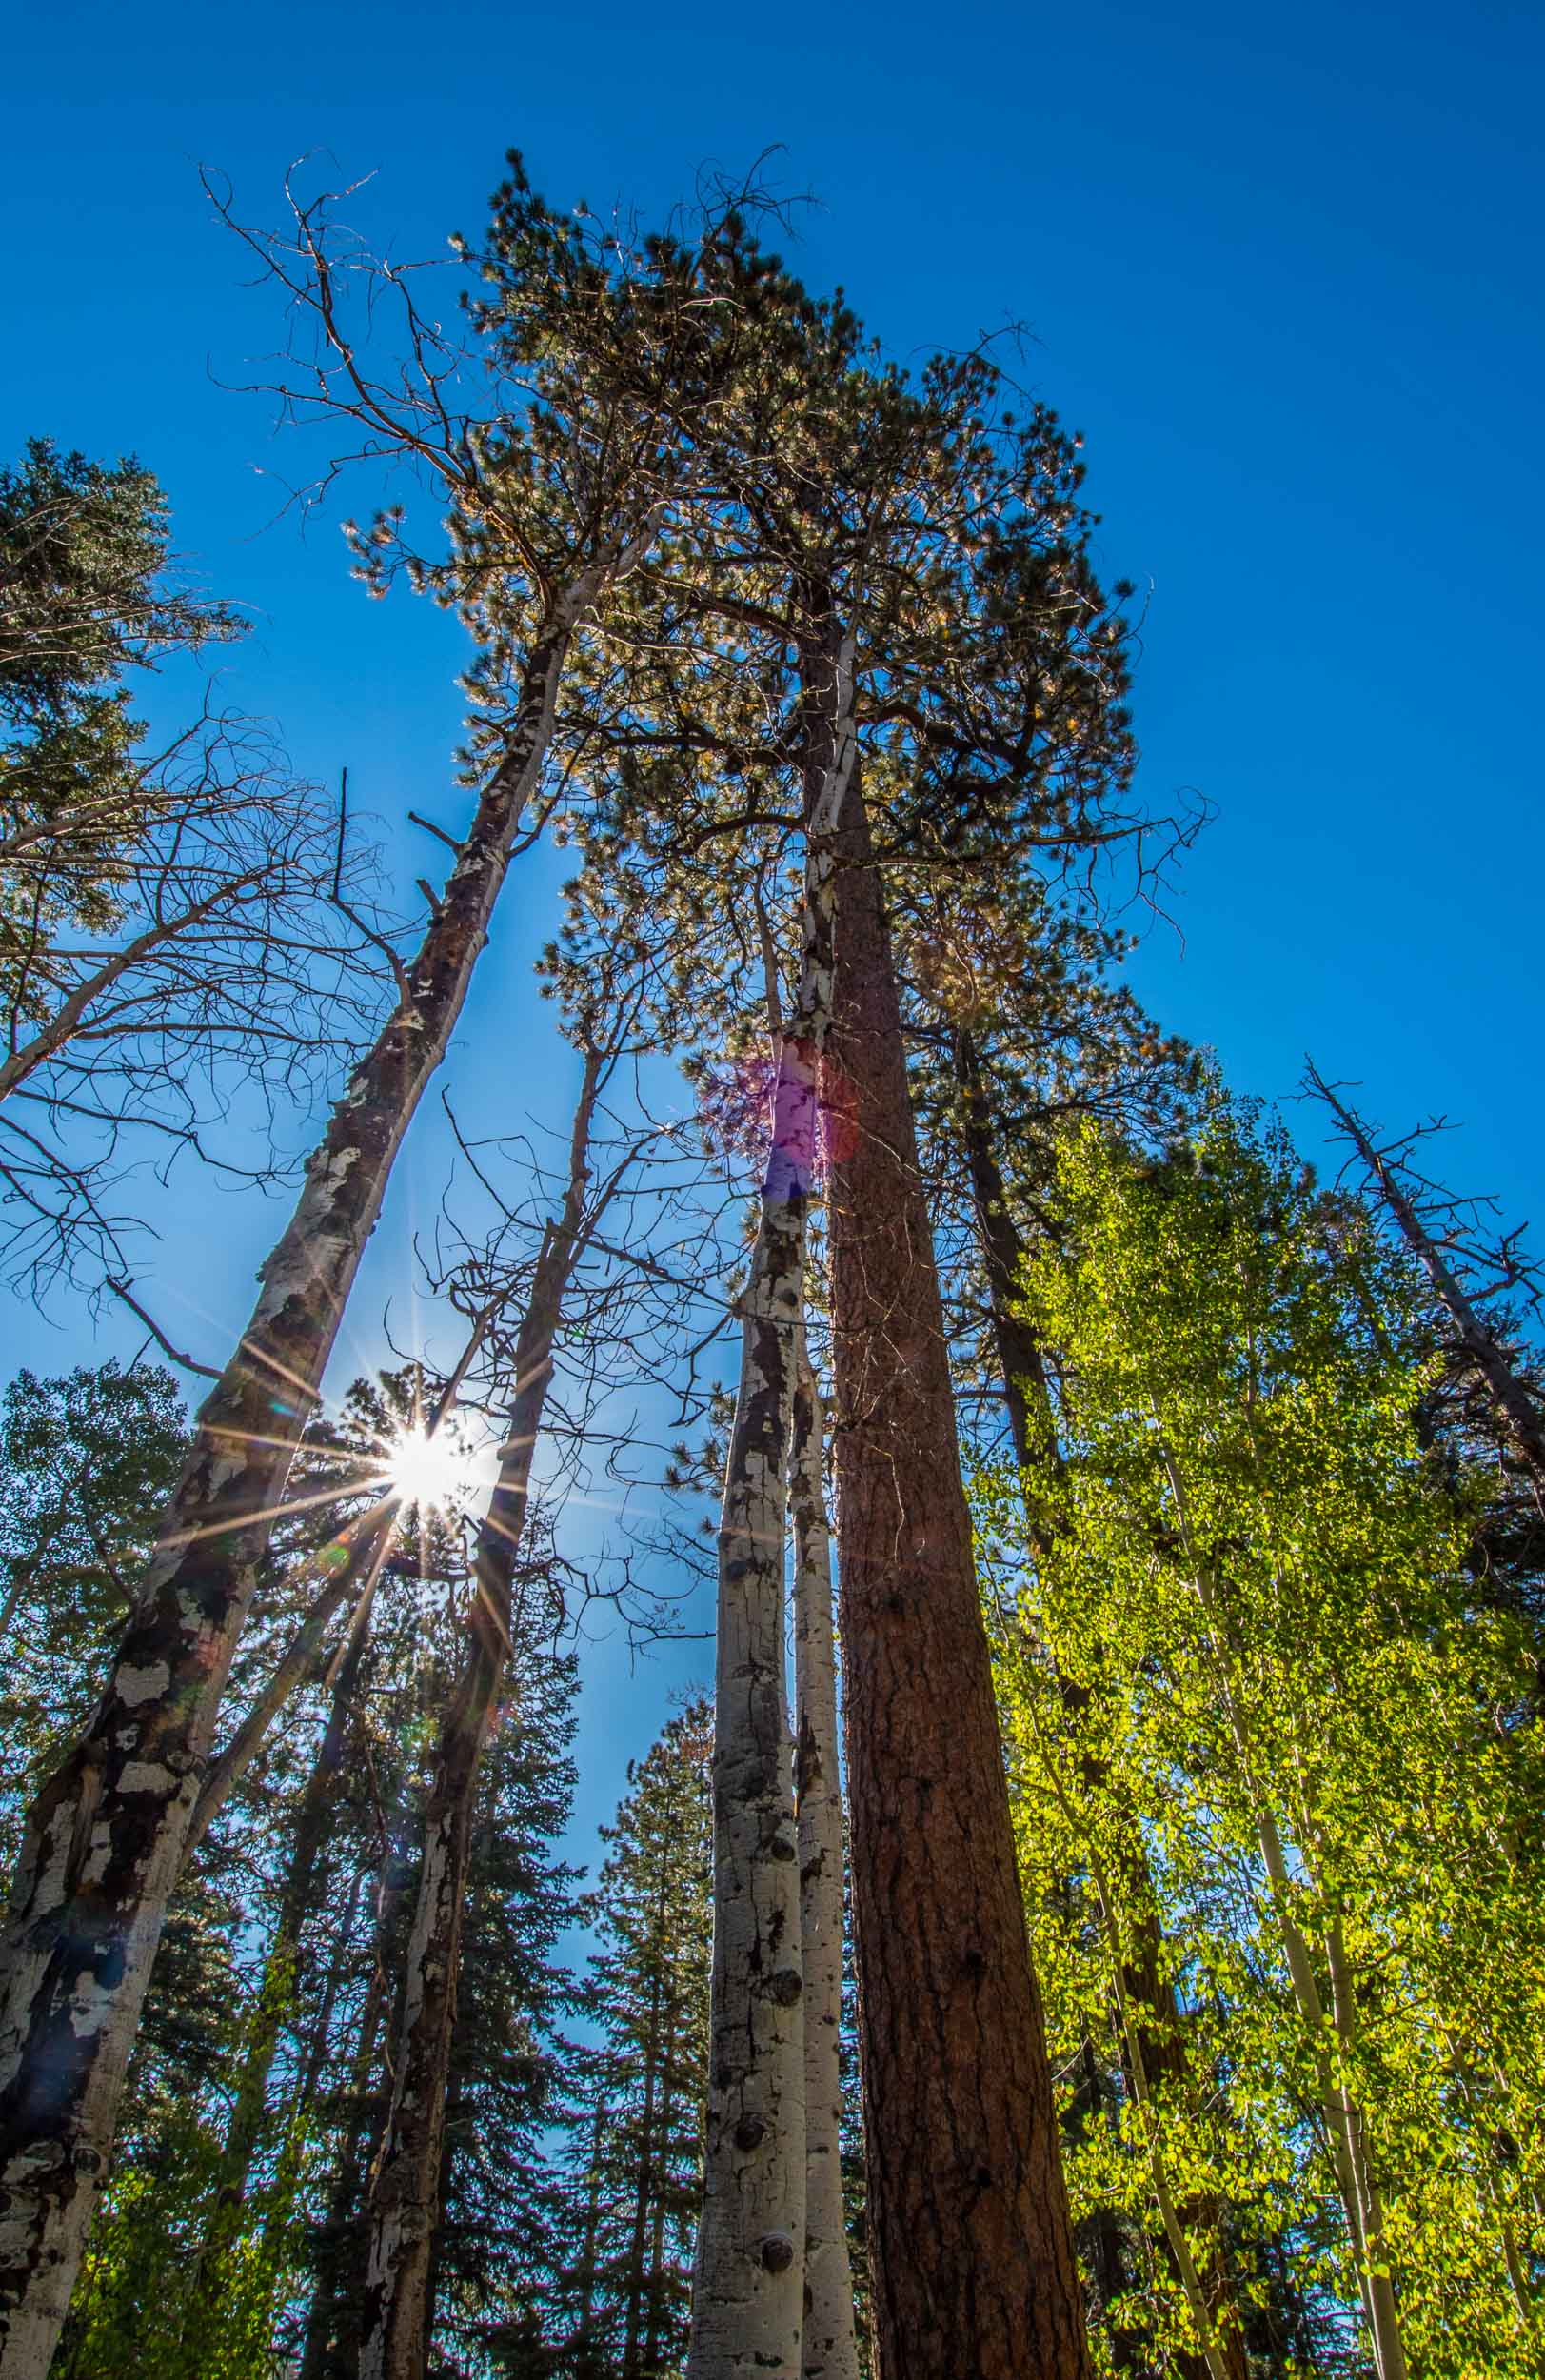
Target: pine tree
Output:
[(617, 2305), (85, 1464), (85, 598)]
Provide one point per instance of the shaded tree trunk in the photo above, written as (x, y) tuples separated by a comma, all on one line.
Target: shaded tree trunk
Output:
[(332, 2349), (655, 2284), (582, 2338), (974, 2271), (829, 2347), (634, 2320), (406, 2185), (106, 1836), (312, 1824)]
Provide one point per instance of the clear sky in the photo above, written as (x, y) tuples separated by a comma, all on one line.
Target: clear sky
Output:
[(1282, 270)]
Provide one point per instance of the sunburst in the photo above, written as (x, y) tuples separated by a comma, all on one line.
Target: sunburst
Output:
[(434, 1470)]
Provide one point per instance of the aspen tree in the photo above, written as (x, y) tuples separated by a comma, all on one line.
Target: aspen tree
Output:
[(829, 2347), (749, 2279), (1298, 1697)]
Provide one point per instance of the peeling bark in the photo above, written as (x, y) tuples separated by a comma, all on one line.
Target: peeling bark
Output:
[(974, 2271), (106, 1836), (406, 2184), (748, 2279), (829, 2346)]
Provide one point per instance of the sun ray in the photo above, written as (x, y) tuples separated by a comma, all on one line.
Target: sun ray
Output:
[(432, 1468)]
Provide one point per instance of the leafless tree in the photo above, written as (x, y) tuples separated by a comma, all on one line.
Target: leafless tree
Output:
[(232, 958), (1484, 1284)]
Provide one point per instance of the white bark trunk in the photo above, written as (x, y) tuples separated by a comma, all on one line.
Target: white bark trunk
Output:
[(749, 2282), (829, 2346)]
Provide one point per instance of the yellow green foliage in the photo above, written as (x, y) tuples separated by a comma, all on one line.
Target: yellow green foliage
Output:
[(1243, 1616)]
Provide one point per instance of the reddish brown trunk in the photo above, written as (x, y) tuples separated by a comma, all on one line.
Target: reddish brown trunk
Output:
[(974, 2271)]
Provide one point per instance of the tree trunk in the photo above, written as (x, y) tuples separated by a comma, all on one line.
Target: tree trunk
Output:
[(829, 2347), (633, 2324), (655, 2284), (406, 2186), (580, 2340), (747, 2282), (312, 1822), (974, 2271), (332, 2319), (106, 1835), (1026, 1387)]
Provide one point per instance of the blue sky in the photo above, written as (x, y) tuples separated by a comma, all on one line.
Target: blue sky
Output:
[(1282, 270)]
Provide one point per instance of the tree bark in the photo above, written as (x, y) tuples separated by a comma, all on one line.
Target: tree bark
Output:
[(829, 2346), (973, 2272), (748, 2280), (407, 2183), (106, 1835)]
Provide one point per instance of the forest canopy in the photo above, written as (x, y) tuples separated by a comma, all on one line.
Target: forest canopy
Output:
[(1093, 1922)]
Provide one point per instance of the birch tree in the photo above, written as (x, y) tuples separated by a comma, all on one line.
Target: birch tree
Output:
[(828, 2348), (748, 2281)]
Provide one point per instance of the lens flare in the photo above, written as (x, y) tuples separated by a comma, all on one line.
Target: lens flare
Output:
[(432, 1472)]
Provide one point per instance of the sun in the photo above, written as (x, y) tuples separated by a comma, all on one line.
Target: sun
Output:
[(432, 1472)]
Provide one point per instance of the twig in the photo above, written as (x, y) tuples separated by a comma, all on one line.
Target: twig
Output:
[(189, 1363)]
